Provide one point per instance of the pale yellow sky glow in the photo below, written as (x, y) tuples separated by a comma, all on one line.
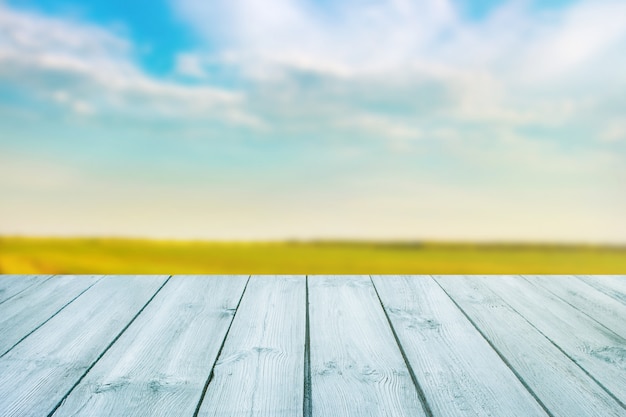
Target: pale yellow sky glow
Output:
[(47, 202)]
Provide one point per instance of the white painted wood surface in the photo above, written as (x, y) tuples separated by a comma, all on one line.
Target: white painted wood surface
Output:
[(595, 348), (613, 285), (10, 285), (136, 345), (37, 374), (459, 372), (562, 386), (24, 312), (356, 366), (589, 300), (260, 371), (160, 365)]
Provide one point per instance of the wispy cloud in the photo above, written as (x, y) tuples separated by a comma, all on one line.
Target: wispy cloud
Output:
[(90, 70), (499, 69)]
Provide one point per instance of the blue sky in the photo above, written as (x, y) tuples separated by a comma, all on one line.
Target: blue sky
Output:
[(391, 119)]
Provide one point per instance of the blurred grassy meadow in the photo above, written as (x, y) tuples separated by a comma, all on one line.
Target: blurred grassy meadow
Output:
[(136, 256)]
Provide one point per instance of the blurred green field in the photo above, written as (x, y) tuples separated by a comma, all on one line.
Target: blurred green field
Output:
[(132, 256)]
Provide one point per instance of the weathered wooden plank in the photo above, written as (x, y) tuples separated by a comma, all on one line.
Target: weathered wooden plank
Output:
[(260, 371), (27, 310), (11, 285), (561, 385), (459, 372), (595, 348), (37, 374), (160, 365), (613, 285), (357, 368), (592, 302)]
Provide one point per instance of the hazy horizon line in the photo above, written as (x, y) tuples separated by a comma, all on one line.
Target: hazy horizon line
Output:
[(326, 240)]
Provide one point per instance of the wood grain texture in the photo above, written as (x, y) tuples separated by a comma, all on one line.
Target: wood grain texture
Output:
[(260, 371), (357, 368), (564, 388), (589, 300), (613, 285), (459, 372), (159, 366), (598, 350), (40, 371), (11, 285), (476, 346), (21, 314)]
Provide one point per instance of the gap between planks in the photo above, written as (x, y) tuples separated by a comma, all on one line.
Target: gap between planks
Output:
[(307, 395), (56, 407), (219, 352), (307, 409), (420, 392)]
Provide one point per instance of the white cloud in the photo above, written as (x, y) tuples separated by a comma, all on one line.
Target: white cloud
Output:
[(520, 66), (576, 39), (506, 70), (91, 70), (190, 65), (614, 132), (357, 37)]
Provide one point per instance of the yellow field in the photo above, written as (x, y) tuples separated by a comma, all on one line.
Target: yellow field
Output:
[(118, 256)]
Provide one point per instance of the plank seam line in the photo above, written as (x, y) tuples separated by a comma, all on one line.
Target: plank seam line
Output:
[(56, 407), (566, 354), (219, 352), (307, 408), (616, 295), (502, 357), (563, 352), (572, 305), (611, 293), (49, 318), (418, 388), (24, 289)]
